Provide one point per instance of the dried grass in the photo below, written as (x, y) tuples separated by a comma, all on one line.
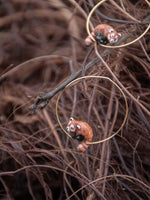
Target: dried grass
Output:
[(42, 44)]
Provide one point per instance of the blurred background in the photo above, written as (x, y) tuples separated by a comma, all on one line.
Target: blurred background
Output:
[(41, 45)]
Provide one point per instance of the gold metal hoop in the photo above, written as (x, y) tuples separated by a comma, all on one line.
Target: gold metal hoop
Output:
[(99, 77), (110, 177), (107, 46)]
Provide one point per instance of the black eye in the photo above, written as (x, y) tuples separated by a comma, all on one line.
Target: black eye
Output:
[(79, 137)]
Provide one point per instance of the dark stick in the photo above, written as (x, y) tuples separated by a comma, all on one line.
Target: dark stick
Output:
[(48, 95)]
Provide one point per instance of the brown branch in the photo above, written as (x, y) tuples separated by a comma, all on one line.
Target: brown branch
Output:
[(120, 84), (48, 95)]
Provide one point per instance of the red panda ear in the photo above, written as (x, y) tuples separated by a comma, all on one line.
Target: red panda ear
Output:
[(71, 118), (119, 34)]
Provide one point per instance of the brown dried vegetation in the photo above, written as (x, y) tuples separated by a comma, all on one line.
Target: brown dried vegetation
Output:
[(41, 45)]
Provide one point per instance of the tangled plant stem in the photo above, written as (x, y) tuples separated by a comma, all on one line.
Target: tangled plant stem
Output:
[(30, 142), (98, 77), (49, 95), (119, 83), (119, 46), (126, 177)]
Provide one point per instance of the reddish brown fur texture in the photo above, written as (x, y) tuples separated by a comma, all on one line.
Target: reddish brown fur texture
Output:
[(81, 128), (84, 130), (108, 31)]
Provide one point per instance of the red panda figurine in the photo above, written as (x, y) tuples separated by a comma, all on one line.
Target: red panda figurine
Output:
[(80, 131), (103, 34)]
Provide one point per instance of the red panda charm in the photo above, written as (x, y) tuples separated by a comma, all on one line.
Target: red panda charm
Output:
[(80, 131), (103, 34)]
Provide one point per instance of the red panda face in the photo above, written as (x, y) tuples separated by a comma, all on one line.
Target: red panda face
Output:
[(112, 35), (72, 126), (103, 34), (80, 131)]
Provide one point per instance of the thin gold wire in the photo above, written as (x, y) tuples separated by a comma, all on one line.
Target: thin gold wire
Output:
[(123, 45), (99, 77), (109, 178)]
